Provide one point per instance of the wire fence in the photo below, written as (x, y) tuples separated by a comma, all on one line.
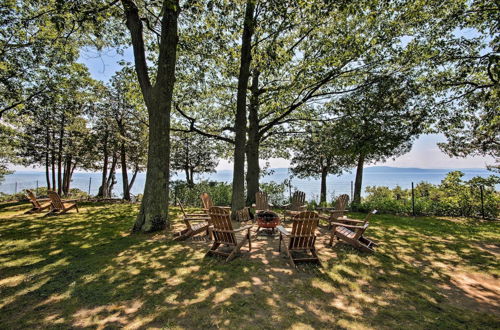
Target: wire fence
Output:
[(476, 201)]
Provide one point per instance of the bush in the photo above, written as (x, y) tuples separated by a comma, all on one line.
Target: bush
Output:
[(275, 193), (453, 197), (220, 192)]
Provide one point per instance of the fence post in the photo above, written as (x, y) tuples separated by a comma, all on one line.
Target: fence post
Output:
[(15, 188), (90, 183), (412, 199), (352, 191), (482, 201), (37, 187)]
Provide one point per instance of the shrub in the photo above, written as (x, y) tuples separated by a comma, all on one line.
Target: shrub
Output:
[(452, 197)]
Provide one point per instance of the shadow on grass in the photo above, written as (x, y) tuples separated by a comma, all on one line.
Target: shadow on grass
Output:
[(86, 271)]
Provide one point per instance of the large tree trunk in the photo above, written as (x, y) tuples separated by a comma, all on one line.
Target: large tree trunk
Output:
[(59, 155), (67, 174), (123, 157), (358, 182), (47, 162), (253, 143), (153, 214), (238, 196), (53, 161), (324, 174), (102, 188)]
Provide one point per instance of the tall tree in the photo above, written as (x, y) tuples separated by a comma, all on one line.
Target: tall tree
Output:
[(379, 121), (153, 214), (192, 154), (320, 152)]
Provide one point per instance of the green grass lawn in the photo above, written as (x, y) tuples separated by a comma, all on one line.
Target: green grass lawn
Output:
[(86, 271)]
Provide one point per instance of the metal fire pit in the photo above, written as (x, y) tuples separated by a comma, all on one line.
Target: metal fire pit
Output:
[(268, 220)]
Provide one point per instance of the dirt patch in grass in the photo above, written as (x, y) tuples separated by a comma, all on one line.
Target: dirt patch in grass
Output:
[(474, 291)]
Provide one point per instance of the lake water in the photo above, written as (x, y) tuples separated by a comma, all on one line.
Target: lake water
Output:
[(336, 185)]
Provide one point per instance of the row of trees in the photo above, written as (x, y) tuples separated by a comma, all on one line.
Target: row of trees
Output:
[(338, 83)]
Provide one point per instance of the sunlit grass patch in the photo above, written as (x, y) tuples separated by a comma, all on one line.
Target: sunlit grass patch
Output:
[(86, 270)]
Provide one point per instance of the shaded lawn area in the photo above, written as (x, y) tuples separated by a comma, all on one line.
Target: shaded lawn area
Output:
[(86, 271)]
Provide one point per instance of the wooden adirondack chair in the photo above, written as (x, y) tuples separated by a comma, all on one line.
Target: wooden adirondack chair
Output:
[(195, 223), (223, 233), (61, 206), (296, 206), (261, 202), (339, 210), (207, 203), (37, 203), (302, 238), (346, 230)]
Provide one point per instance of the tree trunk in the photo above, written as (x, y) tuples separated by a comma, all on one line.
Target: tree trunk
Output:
[(324, 174), (253, 143), (111, 177), (191, 176), (67, 175), (102, 189), (240, 123), (47, 163), (186, 171), (59, 155), (131, 184), (53, 161), (153, 214), (358, 182), (123, 157)]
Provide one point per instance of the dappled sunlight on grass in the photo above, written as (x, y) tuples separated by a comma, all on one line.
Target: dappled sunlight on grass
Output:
[(86, 270)]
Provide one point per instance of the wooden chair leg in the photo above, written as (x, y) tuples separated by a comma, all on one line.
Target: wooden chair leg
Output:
[(249, 241), (291, 257), (235, 250), (279, 246), (212, 249), (76, 207)]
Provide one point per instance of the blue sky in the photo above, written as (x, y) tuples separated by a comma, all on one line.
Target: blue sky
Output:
[(424, 154)]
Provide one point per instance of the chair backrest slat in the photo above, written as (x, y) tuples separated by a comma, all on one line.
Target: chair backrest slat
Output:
[(221, 222), (206, 200), (261, 201), (298, 200), (342, 201), (33, 199), (303, 230), (361, 231), (55, 200)]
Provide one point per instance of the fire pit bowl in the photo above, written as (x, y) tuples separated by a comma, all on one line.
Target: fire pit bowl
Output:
[(267, 219)]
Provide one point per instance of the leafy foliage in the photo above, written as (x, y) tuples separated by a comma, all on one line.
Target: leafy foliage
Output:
[(453, 197)]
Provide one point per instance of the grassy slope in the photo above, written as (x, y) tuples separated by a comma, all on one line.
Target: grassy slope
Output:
[(85, 270)]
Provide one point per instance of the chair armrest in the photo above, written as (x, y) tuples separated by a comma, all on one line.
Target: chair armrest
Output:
[(70, 200), (270, 205), (43, 199), (193, 215), (243, 228), (349, 220), (283, 231), (347, 226), (254, 205), (286, 205), (197, 219)]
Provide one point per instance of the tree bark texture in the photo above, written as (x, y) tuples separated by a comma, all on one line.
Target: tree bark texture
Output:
[(238, 194), (253, 143), (324, 174), (153, 214), (358, 181)]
